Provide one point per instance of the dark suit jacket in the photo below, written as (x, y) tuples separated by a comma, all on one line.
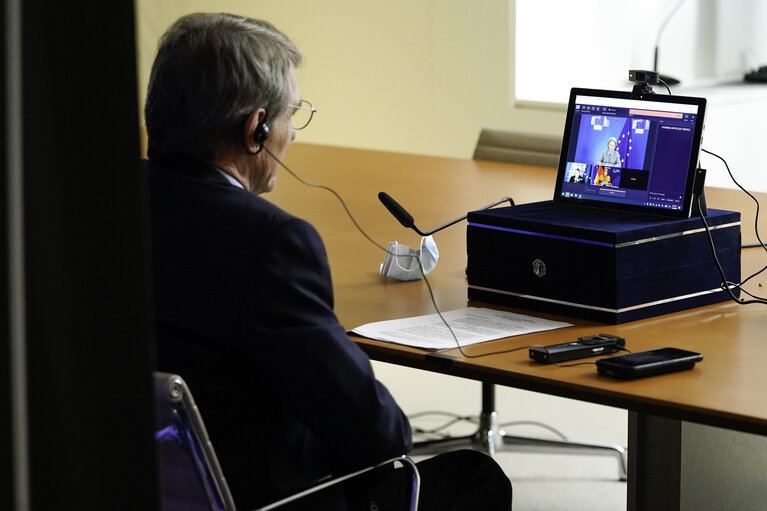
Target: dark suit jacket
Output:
[(244, 313)]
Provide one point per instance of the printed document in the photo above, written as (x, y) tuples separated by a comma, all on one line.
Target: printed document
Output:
[(471, 325)]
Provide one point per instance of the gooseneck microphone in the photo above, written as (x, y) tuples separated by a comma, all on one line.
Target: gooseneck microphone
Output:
[(406, 219)]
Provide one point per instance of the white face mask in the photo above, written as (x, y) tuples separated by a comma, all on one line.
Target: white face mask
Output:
[(401, 261)]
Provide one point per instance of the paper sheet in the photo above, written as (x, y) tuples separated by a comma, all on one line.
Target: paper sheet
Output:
[(471, 325)]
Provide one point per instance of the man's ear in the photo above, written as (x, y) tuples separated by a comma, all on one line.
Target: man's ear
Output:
[(255, 132)]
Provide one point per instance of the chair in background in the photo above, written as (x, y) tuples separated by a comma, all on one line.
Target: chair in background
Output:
[(512, 147), (490, 437), (191, 478)]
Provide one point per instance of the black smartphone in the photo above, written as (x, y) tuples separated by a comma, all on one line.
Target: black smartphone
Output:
[(648, 363)]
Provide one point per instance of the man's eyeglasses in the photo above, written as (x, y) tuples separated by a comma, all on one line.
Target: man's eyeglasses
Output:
[(302, 114)]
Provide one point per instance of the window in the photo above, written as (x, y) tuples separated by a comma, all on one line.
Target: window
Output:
[(593, 43)]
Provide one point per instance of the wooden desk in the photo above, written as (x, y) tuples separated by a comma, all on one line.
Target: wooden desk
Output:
[(724, 390)]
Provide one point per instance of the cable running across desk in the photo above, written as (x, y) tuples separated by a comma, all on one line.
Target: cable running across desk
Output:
[(380, 246)]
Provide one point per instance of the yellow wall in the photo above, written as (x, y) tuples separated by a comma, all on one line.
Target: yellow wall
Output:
[(413, 76)]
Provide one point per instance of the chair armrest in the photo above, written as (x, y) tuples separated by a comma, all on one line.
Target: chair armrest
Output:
[(404, 460)]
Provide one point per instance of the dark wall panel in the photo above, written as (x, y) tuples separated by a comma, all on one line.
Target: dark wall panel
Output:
[(6, 453), (86, 260)]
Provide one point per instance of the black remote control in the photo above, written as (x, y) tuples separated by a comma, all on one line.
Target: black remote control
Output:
[(587, 346)]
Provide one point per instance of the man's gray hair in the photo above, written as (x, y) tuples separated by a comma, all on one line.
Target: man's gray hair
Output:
[(210, 73)]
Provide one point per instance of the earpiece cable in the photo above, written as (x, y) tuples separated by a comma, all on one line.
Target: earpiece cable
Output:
[(380, 246), (340, 199)]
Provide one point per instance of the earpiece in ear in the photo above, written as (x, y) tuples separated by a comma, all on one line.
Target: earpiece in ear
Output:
[(261, 133)]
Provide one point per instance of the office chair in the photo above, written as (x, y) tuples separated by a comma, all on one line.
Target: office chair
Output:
[(512, 147), (528, 149), (191, 478)]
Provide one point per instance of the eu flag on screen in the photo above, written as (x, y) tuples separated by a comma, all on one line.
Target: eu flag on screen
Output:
[(633, 143), (625, 145)]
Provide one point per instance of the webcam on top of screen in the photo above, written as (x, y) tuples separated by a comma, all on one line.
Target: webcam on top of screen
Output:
[(640, 76), (643, 80)]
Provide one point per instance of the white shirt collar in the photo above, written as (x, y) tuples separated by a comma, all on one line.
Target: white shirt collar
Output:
[(230, 178)]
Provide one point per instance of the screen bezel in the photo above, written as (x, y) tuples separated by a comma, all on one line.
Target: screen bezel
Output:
[(687, 200)]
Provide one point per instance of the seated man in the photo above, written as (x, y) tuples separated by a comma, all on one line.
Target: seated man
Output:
[(243, 296)]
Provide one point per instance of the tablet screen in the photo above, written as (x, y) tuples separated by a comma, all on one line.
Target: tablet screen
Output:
[(628, 152)]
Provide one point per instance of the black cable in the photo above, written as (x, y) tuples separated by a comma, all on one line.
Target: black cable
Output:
[(471, 419), (453, 416), (558, 364), (343, 203), (452, 332), (756, 221), (750, 294), (756, 231), (454, 419), (756, 201), (726, 285), (667, 87)]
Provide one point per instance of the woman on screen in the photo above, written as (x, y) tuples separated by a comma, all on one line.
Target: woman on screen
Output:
[(611, 157), (603, 177)]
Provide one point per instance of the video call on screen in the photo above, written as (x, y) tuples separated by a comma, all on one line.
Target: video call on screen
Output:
[(635, 155)]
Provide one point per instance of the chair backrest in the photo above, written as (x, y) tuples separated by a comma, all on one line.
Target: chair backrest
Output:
[(190, 475), (514, 147)]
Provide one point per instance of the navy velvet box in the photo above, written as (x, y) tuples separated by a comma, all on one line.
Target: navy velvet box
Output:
[(598, 264)]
